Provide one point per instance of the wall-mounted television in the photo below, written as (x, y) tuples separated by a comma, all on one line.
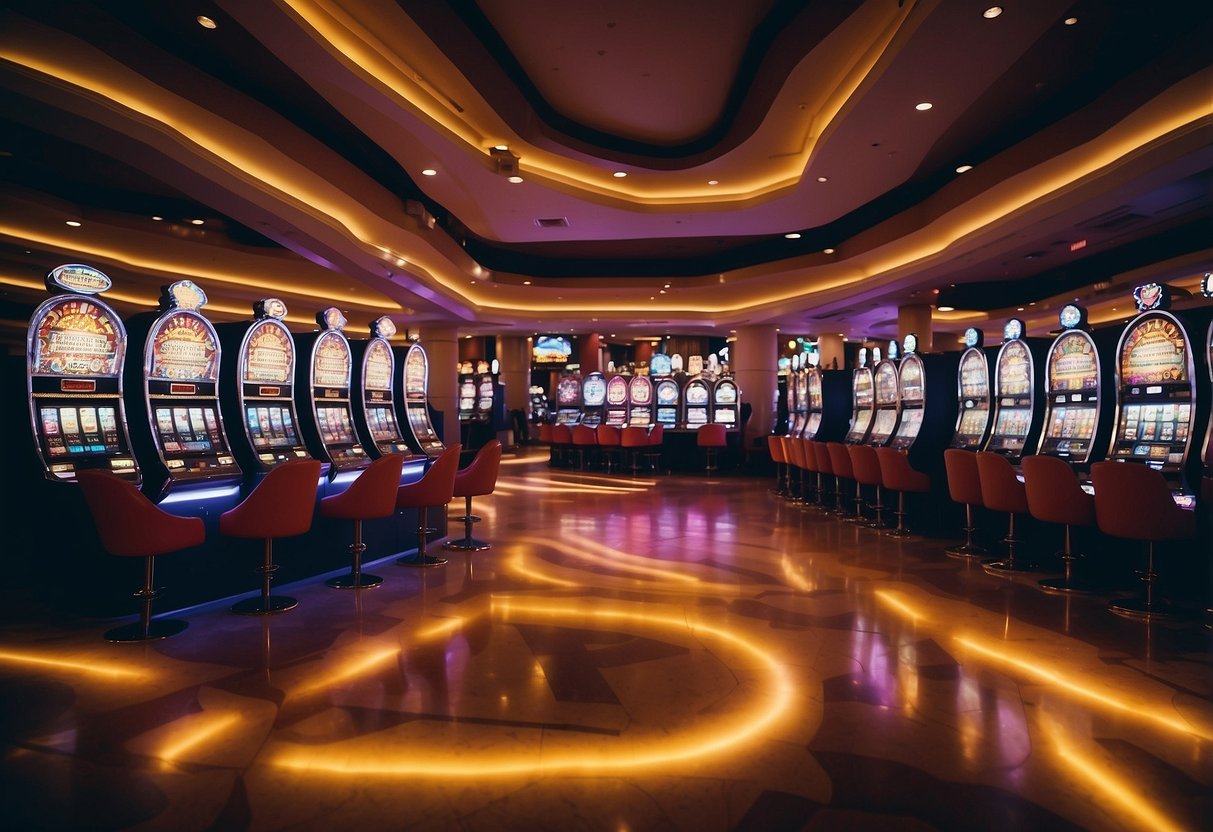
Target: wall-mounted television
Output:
[(552, 349)]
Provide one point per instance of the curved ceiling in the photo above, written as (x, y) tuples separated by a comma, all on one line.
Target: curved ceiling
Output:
[(301, 130)]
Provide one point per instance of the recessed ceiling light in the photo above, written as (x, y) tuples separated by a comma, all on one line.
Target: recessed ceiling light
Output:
[(429, 172), (924, 106), (827, 251), (197, 222), (666, 286), (1018, 308), (964, 168), (619, 174), (157, 218), (206, 22), (501, 147), (792, 235), (946, 308), (1070, 21), (713, 181), (661, 292), (515, 179), (992, 12), (823, 179), (73, 223), (526, 283)]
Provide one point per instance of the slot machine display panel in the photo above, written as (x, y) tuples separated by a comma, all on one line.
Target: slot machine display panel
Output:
[(485, 394), (266, 387), (416, 401), (973, 387), (1014, 395), (862, 400), (181, 390), (616, 411), (1156, 395), (640, 401), (1072, 374), (593, 399), (329, 376), (887, 403), (667, 395), (467, 397), (568, 400), (697, 399), (814, 403), (1208, 454), (795, 425), (725, 403), (75, 351), (912, 380), (377, 399)]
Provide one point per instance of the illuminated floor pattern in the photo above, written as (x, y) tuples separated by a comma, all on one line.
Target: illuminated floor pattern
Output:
[(656, 654)]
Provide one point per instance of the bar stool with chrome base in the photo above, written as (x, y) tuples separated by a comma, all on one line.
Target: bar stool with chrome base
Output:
[(131, 525), (866, 468), (1001, 490), (476, 480), (281, 505), (1134, 501), (655, 448), (562, 445), (435, 488), (808, 452), (633, 440), (1055, 496), (840, 462), (775, 449), (825, 473), (713, 438), (610, 444), (371, 496), (898, 475), (964, 486), (584, 438)]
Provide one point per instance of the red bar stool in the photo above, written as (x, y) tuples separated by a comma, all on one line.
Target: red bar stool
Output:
[(825, 472), (562, 444), (1001, 490), (476, 480), (435, 488), (791, 452), (898, 475), (545, 438), (609, 444), (633, 440), (775, 449), (1133, 501), (712, 438), (281, 505), (371, 496), (132, 526), (964, 486), (584, 438), (1055, 496), (866, 468), (656, 442), (840, 462), (808, 452)]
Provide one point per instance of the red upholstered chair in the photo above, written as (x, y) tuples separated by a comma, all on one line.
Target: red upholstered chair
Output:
[(866, 468), (812, 483), (1055, 496), (584, 439), (545, 438), (775, 449), (634, 439), (132, 526), (281, 505), (562, 444), (788, 446), (825, 471), (964, 486), (840, 462), (435, 488), (898, 475), (800, 464), (610, 444), (656, 446), (476, 480), (713, 438), (371, 496), (1133, 501), (1001, 490)]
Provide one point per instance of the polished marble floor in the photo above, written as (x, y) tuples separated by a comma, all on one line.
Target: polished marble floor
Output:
[(632, 654)]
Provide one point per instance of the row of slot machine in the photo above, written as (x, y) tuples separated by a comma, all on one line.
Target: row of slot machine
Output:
[(477, 389), (205, 405), (673, 401), (1149, 404)]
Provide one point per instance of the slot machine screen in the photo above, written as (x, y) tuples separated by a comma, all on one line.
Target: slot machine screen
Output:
[(863, 391), (269, 354), (415, 371), (568, 392), (814, 424), (974, 380), (911, 380), (814, 388), (1014, 371), (484, 401), (76, 337), (418, 420), (183, 348), (335, 425), (697, 394), (973, 421), (667, 415), (667, 393), (377, 366), (1072, 364), (1154, 353), (911, 424), (883, 426), (886, 383), (1013, 423), (616, 391), (382, 424), (726, 394), (332, 365), (697, 416), (467, 395)]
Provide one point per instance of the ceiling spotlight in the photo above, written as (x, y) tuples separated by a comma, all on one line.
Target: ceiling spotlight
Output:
[(823, 179), (992, 12), (501, 147), (157, 218), (526, 283), (666, 286), (1070, 21), (206, 22), (827, 251), (964, 168), (429, 172), (619, 174), (1018, 308), (197, 222), (924, 106), (792, 235), (946, 308), (713, 181), (73, 223), (515, 179)]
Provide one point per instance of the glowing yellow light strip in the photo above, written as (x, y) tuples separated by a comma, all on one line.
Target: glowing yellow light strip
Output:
[(714, 737), (580, 477), (524, 460), (197, 735), (91, 668), (888, 598), (557, 489), (348, 671), (581, 548), (517, 564)]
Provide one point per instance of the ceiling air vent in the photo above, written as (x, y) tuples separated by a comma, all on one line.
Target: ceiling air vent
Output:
[(552, 222)]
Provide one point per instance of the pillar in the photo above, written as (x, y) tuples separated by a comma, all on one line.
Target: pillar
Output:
[(442, 346), (831, 347), (755, 367), (514, 362), (589, 353), (915, 318)]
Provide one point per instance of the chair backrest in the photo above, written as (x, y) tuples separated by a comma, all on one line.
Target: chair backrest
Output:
[(1054, 494), (795, 453), (607, 435), (864, 464), (825, 460), (840, 460), (808, 451), (545, 433), (372, 495), (562, 435), (437, 486), (281, 505), (657, 434), (964, 483), (1001, 490), (634, 436), (775, 448), (583, 435), (480, 477), (131, 525), (1133, 500), (897, 474), (711, 435)]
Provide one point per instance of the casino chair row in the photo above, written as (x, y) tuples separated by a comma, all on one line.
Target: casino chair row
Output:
[(282, 505), (581, 446)]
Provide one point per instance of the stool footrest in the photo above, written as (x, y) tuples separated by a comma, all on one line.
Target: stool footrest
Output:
[(466, 544), (421, 560), (156, 629), (265, 605), (362, 580)]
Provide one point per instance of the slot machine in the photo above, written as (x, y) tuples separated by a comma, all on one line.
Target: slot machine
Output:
[(810, 384), (1073, 386), (925, 382), (616, 412), (973, 393), (258, 389), (485, 393), (325, 381), (726, 403), (568, 400), (539, 404), (1017, 377), (640, 401), (378, 426), (665, 391), (1206, 289), (696, 397), (797, 401), (75, 352), (181, 439), (416, 401), (887, 400), (1156, 396), (782, 423), (467, 393), (593, 399), (862, 401)]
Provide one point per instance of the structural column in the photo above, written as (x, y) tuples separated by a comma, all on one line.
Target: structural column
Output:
[(915, 318), (442, 347), (755, 366), (831, 348)]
